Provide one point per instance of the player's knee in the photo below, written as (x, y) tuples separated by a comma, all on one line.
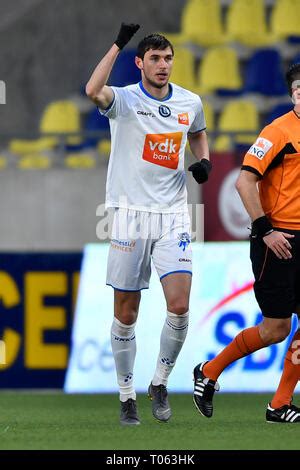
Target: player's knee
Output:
[(178, 306), (127, 312), (281, 333), (277, 333), (127, 317)]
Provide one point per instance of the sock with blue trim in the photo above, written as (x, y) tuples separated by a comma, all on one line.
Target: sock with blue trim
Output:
[(124, 349), (172, 338)]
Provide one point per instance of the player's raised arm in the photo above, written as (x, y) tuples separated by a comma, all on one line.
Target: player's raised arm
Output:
[(96, 88)]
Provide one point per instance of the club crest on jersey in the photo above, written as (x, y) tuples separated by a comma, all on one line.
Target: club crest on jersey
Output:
[(260, 148), (164, 111), (184, 240), (183, 118)]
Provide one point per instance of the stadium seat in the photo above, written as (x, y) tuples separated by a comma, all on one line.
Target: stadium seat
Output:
[(59, 117), (264, 73), (285, 19), (183, 72), (3, 162), (223, 143), (209, 115), (295, 59), (34, 162), (125, 72), (246, 23), (278, 111), (23, 147), (84, 160), (200, 24), (219, 70), (95, 122), (237, 116), (104, 147)]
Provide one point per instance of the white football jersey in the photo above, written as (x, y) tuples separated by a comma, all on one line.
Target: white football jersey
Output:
[(146, 165)]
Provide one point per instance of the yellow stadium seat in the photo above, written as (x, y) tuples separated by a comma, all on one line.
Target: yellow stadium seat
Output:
[(3, 162), (246, 23), (285, 18), (59, 117), (223, 143), (183, 71), (104, 147), (22, 147), (80, 160), (34, 162), (237, 116), (219, 69), (200, 24), (209, 116)]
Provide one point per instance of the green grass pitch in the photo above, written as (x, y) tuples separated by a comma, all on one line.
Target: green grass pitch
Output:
[(58, 421)]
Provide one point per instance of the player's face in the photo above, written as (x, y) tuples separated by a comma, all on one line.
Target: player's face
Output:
[(156, 66)]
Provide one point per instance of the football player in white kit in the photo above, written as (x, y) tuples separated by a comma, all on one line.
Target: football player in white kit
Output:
[(150, 123)]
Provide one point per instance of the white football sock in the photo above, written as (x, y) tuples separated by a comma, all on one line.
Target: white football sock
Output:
[(124, 348), (172, 338)]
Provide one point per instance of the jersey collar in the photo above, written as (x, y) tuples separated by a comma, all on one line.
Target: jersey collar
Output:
[(169, 95), (297, 115)]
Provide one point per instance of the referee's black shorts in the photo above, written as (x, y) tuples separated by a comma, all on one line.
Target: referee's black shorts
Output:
[(277, 281)]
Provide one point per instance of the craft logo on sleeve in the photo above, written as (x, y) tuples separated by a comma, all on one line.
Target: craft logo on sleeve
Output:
[(183, 118), (260, 147), (163, 149)]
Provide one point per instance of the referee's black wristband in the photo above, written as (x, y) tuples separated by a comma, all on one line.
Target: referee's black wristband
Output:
[(261, 227)]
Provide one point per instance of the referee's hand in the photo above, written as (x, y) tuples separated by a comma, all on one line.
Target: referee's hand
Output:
[(279, 244)]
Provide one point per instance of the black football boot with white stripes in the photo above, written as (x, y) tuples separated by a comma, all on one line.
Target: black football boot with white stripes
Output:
[(284, 414), (204, 389)]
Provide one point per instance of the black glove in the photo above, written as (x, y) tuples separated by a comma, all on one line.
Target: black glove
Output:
[(125, 34), (261, 227), (201, 170)]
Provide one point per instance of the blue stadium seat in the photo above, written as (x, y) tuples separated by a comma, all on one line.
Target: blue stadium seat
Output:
[(95, 122), (264, 73), (296, 59), (278, 111), (125, 72)]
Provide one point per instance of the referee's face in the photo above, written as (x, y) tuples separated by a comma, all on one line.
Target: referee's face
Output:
[(156, 66), (296, 92)]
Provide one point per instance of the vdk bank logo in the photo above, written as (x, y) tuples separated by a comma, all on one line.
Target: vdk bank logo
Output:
[(2, 92), (163, 149)]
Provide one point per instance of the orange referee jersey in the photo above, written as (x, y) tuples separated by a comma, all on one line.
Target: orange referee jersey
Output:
[(275, 158)]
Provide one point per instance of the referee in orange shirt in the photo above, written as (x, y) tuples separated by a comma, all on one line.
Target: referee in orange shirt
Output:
[(269, 186)]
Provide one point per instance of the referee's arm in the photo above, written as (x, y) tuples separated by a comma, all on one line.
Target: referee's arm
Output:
[(246, 186)]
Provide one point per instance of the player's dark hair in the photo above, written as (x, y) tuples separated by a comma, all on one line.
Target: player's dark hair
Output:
[(153, 41), (292, 74)]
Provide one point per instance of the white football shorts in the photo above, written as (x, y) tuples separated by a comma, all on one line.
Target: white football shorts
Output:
[(138, 237)]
